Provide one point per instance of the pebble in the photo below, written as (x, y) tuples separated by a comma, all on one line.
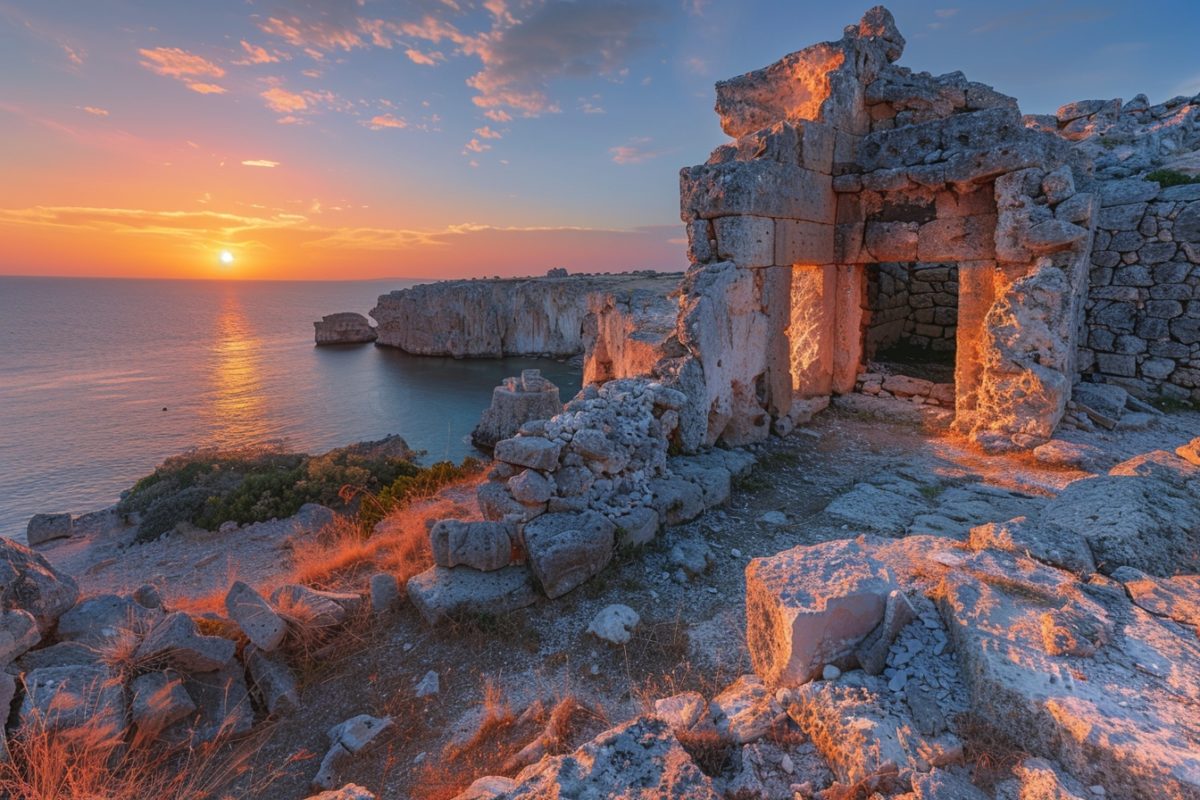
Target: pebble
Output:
[(429, 685), (830, 673), (786, 764), (735, 553), (898, 681), (774, 518)]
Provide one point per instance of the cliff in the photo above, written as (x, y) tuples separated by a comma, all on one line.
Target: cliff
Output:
[(503, 317)]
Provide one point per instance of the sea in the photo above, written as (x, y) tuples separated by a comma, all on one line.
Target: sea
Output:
[(101, 379)]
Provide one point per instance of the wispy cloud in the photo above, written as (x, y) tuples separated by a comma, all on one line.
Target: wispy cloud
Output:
[(282, 101), (96, 111), (425, 59), (260, 162), (635, 151), (384, 121), (476, 146), (487, 133), (74, 55), (259, 55), (173, 62), (498, 115)]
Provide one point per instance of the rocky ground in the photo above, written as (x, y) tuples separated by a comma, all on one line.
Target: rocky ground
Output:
[(866, 466)]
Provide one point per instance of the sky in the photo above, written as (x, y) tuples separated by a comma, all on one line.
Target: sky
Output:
[(346, 139)]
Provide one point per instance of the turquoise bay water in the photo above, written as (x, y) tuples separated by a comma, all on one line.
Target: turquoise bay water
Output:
[(101, 379)]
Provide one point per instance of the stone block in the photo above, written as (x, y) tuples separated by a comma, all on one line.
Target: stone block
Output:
[(254, 615), (176, 641), (274, 680), (957, 239), (159, 700), (18, 632), (891, 241), (564, 550), (676, 500), (63, 699), (484, 546), (756, 188), (800, 242), (746, 241), (811, 606), (440, 593), (636, 527), (529, 451), (44, 528)]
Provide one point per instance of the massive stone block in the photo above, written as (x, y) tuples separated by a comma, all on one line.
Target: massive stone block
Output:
[(811, 606), (566, 549), (755, 188)]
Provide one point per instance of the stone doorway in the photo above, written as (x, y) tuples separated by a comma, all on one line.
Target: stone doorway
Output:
[(909, 328)]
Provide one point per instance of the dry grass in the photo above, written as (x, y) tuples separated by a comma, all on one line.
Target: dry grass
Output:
[(93, 761), (712, 751), (341, 553), (993, 752), (503, 744)]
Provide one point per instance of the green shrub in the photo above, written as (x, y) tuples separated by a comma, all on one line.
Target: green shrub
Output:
[(1170, 177), (208, 487)]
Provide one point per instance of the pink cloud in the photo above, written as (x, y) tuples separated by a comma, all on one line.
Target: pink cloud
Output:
[(206, 88), (257, 55), (382, 121), (176, 63)]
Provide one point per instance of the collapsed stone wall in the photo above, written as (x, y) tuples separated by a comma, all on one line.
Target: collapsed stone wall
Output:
[(911, 305)]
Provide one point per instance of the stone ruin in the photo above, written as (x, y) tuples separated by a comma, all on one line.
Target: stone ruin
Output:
[(852, 179), (515, 402), (859, 206)]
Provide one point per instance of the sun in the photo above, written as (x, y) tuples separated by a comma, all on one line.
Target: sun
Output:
[(226, 257)]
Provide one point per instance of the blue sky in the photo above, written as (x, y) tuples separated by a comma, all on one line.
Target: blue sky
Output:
[(433, 134)]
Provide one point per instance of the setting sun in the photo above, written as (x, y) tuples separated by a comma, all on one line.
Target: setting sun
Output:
[(226, 257)]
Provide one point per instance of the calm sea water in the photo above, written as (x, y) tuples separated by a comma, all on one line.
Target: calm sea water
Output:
[(102, 379)]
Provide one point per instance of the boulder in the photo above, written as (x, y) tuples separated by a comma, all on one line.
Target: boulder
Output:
[(159, 700), (176, 641), (440, 593), (529, 451), (18, 633), (351, 791), (566, 549), (483, 546), (681, 711), (745, 711), (811, 606), (44, 528), (28, 582), (693, 556), (307, 606), (676, 500), (614, 624), (274, 680), (638, 759), (253, 614), (61, 699), (105, 618), (223, 706), (346, 739), (385, 592), (515, 402), (636, 527)]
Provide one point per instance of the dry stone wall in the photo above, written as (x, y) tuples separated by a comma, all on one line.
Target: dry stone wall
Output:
[(1143, 311), (911, 305)]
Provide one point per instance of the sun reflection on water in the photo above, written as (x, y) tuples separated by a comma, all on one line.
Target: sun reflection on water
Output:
[(238, 413)]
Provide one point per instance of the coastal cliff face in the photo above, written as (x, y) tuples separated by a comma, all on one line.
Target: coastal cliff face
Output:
[(503, 317)]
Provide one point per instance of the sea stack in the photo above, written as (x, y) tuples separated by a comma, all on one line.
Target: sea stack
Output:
[(346, 327)]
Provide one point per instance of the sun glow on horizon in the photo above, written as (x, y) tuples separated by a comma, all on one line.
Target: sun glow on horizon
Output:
[(226, 258)]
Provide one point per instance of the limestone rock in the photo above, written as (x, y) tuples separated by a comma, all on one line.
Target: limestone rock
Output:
[(1050, 545), (638, 759), (528, 451), (681, 711), (440, 593), (61, 699), (811, 606), (28, 582), (1190, 452), (677, 500), (1061, 453), (254, 615), (346, 739), (44, 528), (176, 641), (273, 679), (311, 607), (223, 706), (105, 618), (515, 402), (428, 686), (745, 711), (351, 791), (872, 651), (614, 624), (637, 527), (940, 784), (346, 327), (565, 550), (1176, 598), (483, 546), (18, 633), (159, 700), (385, 592), (1040, 780)]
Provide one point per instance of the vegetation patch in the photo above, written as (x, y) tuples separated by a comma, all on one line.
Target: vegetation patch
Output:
[(1170, 177), (208, 487)]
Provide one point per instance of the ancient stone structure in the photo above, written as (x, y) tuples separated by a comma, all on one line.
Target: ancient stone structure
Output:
[(515, 402), (346, 327), (863, 206)]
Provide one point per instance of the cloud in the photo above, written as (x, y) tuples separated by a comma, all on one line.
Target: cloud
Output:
[(557, 40), (206, 88), (316, 35), (291, 119), (74, 55), (261, 162), (945, 13), (428, 60), (383, 121), (476, 146), (498, 115), (258, 55), (487, 133), (589, 107), (282, 101), (99, 112), (635, 151), (176, 63)]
